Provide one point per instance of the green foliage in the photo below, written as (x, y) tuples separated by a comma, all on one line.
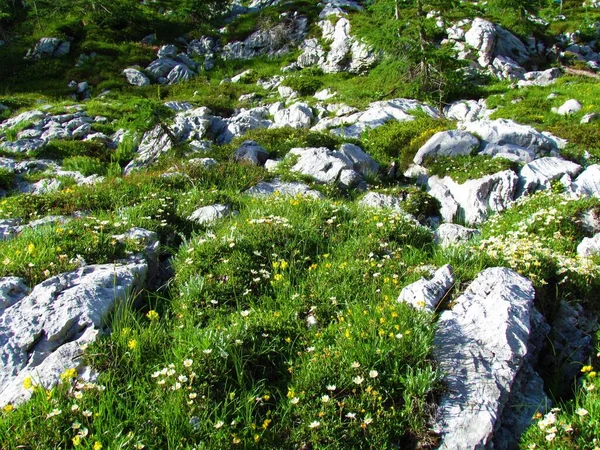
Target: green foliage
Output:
[(464, 168), (305, 83), (7, 179), (87, 165), (60, 149), (400, 141)]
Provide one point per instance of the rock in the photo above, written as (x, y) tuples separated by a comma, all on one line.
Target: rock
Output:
[(167, 51), (544, 78), (272, 165), (426, 294), (278, 187), (287, 92), (321, 164), (324, 94), (192, 124), (508, 151), (473, 200), (481, 346), (361, 162), (506, 68), (161, 67), (351, 179), (49, 48), (312, 54), (589, 246), (210, 214), (569, 107), (503, 132), (244, 121), (377, 200), (35, 117), (66, 310), (12, 290), (252, 153), (180, 72), (482, 37), (588, 182), (539, 174), (205, 163), (508, 45), (154, 143), (449, 234), (299, 115), (589, 118), (447, 143), (467, 110)]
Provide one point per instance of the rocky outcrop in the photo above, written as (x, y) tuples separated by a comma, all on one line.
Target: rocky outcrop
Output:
[(588, 182), (136, 77), (41, 334), (482, 345), (49, 48), (473, 200), (427, 294), (589, 246), (539, 174)]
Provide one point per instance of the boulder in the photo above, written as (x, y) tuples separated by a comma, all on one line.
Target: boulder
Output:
[(508, 151), (287, 92), (447, 143), (299, 115), (12, 290), (361, 162), (192, 124), (569, 107), (49, 48), (167, 51), (473, 200), (482, 37), (377, 200), (539, 174), (426, 294), (205, 163), (467, 110), (449, 234), (41, 334), (154, 143), (588, 182), (244, 121), (180, 73), (503, 132), (210, 214), (252, 153), (321, 164), (589, 246), (540, 78), (278, 187), (481, 345), (161, 67)]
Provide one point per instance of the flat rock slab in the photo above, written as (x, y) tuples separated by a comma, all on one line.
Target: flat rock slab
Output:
[(480, 346), (67, 309)]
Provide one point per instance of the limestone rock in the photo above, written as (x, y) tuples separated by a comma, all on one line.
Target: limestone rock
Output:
[(210, 214), (449, 234), (447, 143), (569, 107), (321, 164), (62, 310), (589, 246), (361, 162), (49, 48), (426, 294), (180, 73), (481, 345), (12, 290), (377, 200), (278, 187), (588, 182), (537, 78), (154, 143), (482, 37), (299, 115), (538, 174), (252, 153)]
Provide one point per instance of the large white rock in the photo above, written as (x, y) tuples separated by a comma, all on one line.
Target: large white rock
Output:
[(154, 143), (537, 78), (468, 110), (588, 182), (361, 161), (571, 106), (321, 163), (299, 115), (12, 290), (447, 143), (210, 214), (377, 200), (179, 73), (278, 187), (481, 346), (252, 153), (449, 234), (482, 37), (160, 68), (587, 247), (539, 174), (503, 131), (136, 77), (426, 294), (67, 309), (473, 200)]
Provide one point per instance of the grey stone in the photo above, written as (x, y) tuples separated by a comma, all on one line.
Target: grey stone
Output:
[(136, 77), (588, 182), (167, 51), (361, 161), (299, 115), (49, 48), (154, 143), (210, 214), (377, 200), (447, 143), (508, 151), (539, 174), (180, 73), (67, 309), (205, 163), (449, 234), (571, 106), (252, 153), (467, 110), (589, 246), (427, 294), (278, 187), (481, 345), (537, 78), (12, 290), (482, 37), (589, 118), (321, 164), (161, 67)]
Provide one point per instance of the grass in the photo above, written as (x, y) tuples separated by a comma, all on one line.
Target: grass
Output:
[(464, 168)]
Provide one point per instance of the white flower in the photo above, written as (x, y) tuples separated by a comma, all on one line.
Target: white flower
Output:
[(219, 424), (351, 415), (550, 436), (325, 398), (331, 387), (294, 401), (208, 351), (188, 363), (373, 374), (355, 365), (314, 424), (182, 378), (581, 412), (357, 380)]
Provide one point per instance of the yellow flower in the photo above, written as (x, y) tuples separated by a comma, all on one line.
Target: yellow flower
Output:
[(30, 248), (266, 423), (68, 374), (585, 369), (278, 277), (152, 315), (27, 383), (284, 265), (8, 408), (97, 446), (76, 440), (132, 344)]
